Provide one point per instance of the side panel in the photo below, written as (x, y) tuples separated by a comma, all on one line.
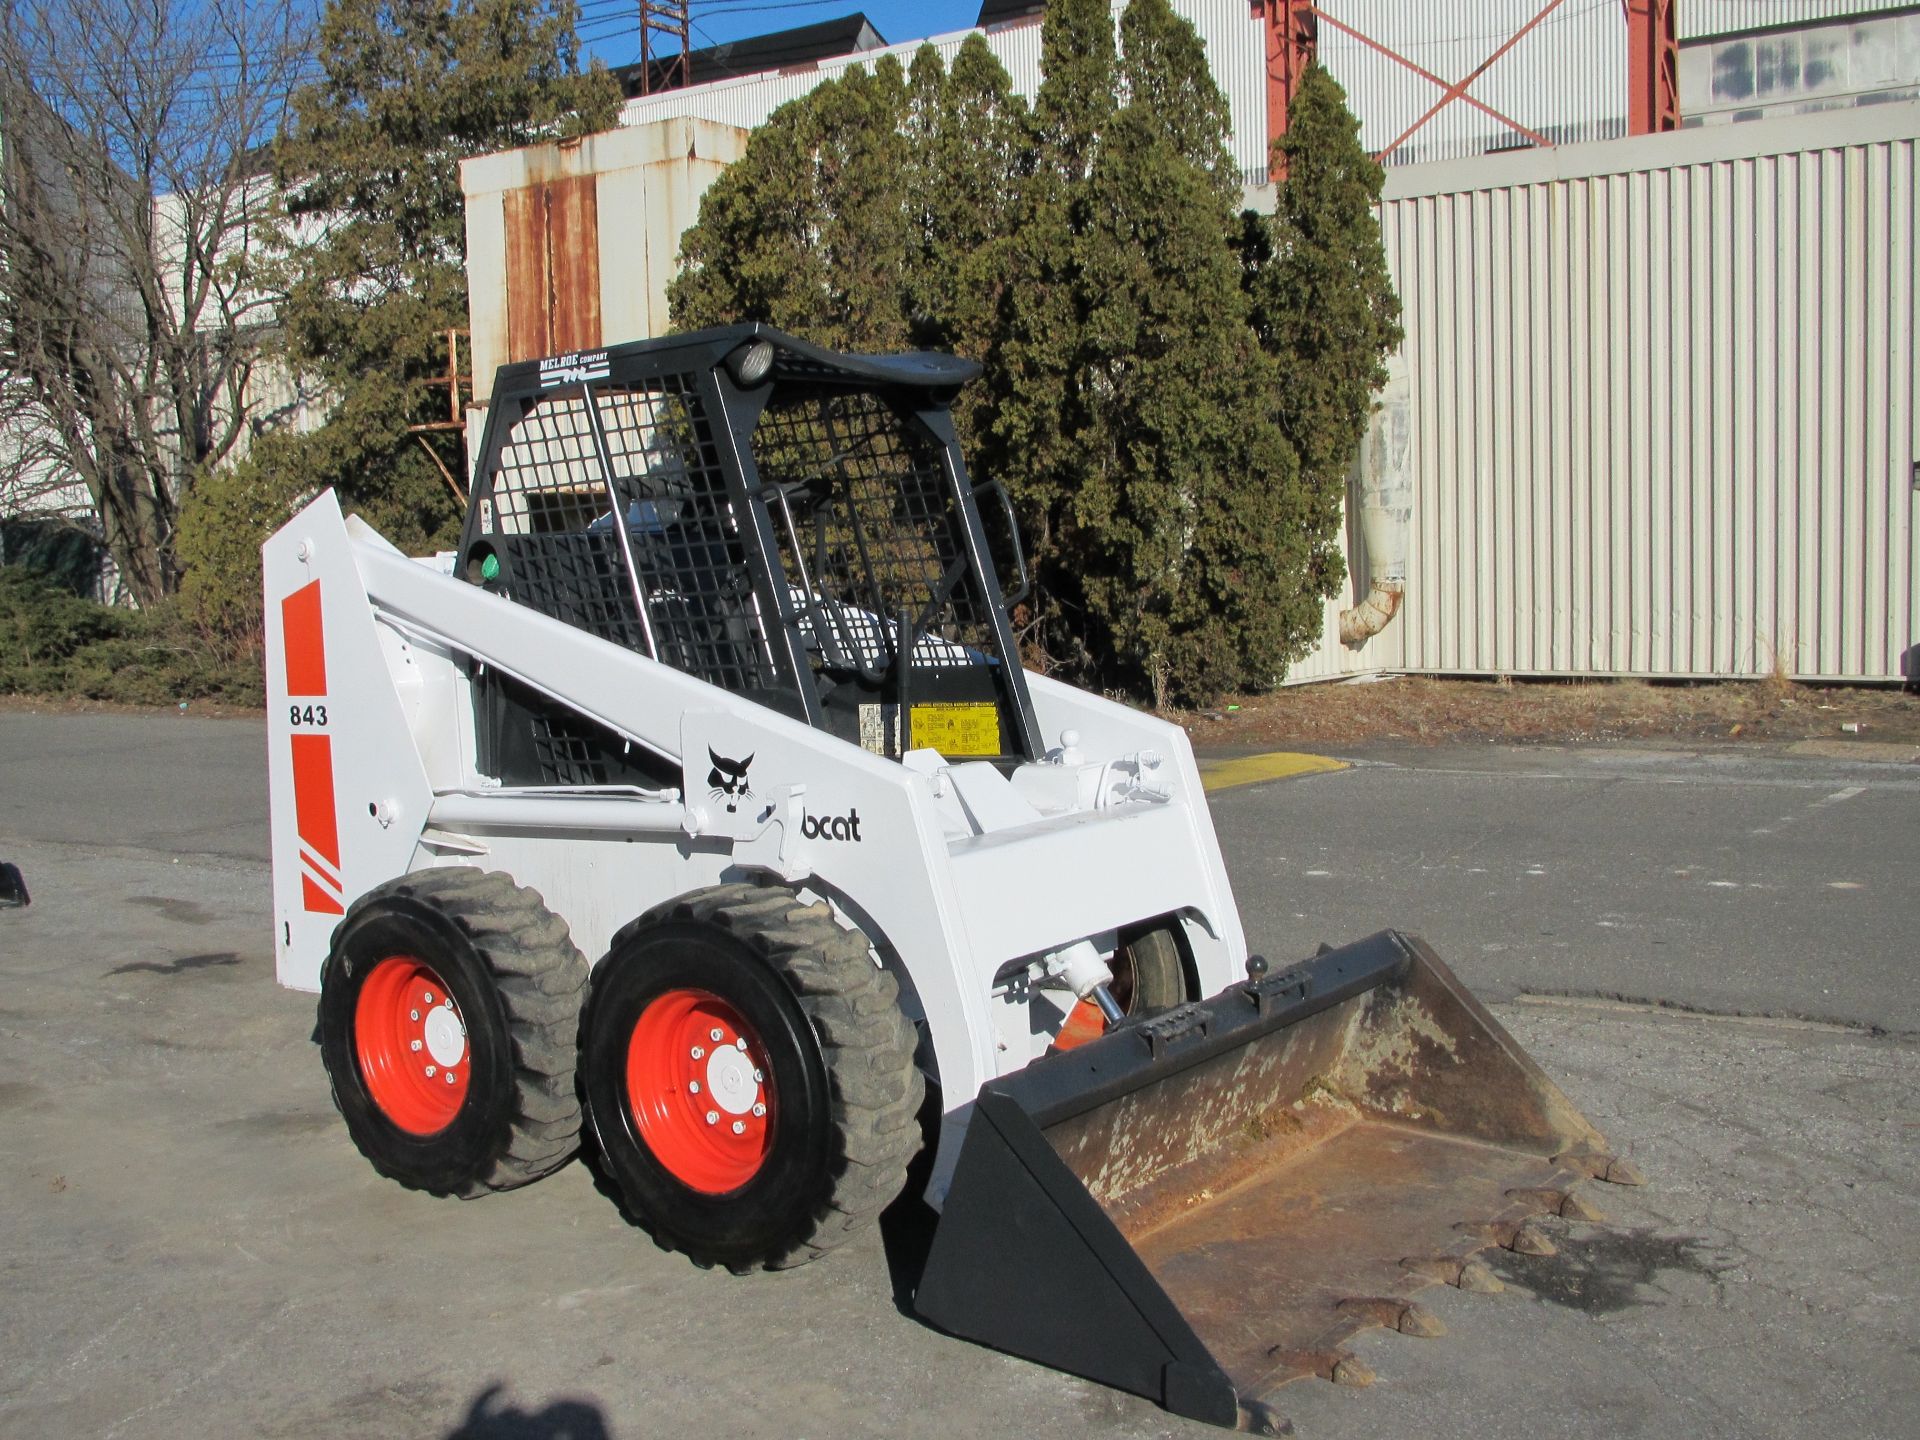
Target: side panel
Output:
[(346, 790), (1105, 730), (1052, 883)]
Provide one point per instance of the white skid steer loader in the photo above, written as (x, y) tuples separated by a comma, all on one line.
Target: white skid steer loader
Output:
[(720, 691)]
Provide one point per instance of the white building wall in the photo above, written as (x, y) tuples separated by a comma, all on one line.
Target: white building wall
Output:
[(1666, 406)]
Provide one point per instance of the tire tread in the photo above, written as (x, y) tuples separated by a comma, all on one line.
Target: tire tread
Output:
[(875, 1089), (542, 980)]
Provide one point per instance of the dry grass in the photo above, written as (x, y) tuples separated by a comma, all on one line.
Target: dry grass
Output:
[(1425, 711)]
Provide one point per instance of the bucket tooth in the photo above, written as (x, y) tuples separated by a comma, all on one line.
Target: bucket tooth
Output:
[(1391, 1314), (1530, 1239), (1599, 1165), (1577, 1207), (1434, 1269), (1342, 1367), (1352, 1371), (1477, 1277), (1569, 1204), (1418, 1320), (1257, 1417)]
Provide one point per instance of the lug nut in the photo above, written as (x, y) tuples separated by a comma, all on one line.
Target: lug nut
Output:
[(415, 1014), (698, 1053), (713, 1117), (742, 1044), (758, 1077), (427, 995), (430, 1070), (693, 1087), (759, 1110), (739, 1127), (449, 1077), (716, 1035), (416, 1044)]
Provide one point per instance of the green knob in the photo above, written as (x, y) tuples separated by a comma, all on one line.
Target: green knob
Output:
[(490, 568)]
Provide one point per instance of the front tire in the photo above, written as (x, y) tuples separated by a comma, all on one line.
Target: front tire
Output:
[(448, 1008), (748, 1078)]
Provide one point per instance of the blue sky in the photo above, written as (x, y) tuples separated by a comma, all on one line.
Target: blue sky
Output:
[(611, 27)]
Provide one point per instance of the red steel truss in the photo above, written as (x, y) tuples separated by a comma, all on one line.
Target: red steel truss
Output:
[(1293, 33)]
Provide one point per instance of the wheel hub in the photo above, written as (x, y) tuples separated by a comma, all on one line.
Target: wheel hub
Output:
[(730, 1080), (697, 1084), (411, 1042), (446, 1036)]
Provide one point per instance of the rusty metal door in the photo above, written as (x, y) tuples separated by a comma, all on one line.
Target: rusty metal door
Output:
[(553, 268)]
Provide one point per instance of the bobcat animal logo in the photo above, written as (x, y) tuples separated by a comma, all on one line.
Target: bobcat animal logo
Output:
[(729, 779)]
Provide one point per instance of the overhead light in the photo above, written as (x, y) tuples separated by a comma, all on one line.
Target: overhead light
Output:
[(750, 364)]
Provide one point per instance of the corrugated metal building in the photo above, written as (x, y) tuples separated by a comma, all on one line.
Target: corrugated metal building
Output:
[(1666, 411)]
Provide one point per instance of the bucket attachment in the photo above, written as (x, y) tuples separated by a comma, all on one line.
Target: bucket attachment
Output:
[(1205, 1206)]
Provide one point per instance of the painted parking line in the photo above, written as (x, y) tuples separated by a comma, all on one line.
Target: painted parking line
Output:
[(1252, 769)]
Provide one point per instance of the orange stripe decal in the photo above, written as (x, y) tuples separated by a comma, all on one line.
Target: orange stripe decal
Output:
[(305, 643), (318, 901), (314, 815)]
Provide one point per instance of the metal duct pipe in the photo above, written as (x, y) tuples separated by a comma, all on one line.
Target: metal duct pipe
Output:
[(1383, 486)]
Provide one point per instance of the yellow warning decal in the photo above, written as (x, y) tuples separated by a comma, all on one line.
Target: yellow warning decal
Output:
[(964, 729)]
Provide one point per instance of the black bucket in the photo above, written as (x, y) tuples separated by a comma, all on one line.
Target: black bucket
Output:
[(1203, 1207)]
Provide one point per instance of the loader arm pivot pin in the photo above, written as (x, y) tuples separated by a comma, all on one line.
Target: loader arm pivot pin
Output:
[(1109, 1007)]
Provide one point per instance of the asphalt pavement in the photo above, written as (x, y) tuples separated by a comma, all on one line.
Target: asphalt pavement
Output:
[(194, 1248), (1736, 881)]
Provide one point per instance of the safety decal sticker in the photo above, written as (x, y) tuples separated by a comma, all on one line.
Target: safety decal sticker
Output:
[(322, 891)]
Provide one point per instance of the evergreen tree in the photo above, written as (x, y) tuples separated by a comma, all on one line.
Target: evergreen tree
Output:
[(377, 252), (1034, 388), (868, 214), (807, 230), (1180, 523), (1151, 398), (1323, 305), (968, 147)]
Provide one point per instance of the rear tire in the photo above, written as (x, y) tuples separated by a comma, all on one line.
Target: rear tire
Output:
[(1149, 976), (1148, 973), (454, 972), (787, 1135)]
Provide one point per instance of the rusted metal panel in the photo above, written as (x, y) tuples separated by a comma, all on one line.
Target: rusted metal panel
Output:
[(571, 246), (529, 283), (573, 260), (553, 268)]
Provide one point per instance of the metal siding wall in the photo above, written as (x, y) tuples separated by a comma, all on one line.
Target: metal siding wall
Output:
[(1719, 17), (1665, 408)]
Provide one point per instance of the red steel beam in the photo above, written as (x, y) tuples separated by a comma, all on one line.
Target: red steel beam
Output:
[(1459, 87), (1293, 39), (1653, 67), (1426, 74)]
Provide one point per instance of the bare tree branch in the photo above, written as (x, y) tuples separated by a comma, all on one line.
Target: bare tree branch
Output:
[(138, 227)]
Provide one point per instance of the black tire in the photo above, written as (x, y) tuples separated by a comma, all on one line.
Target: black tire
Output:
[(846, 1094), (1149, 972), (509, 965)]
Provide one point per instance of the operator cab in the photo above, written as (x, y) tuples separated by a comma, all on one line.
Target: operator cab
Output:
[(796, 527)]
